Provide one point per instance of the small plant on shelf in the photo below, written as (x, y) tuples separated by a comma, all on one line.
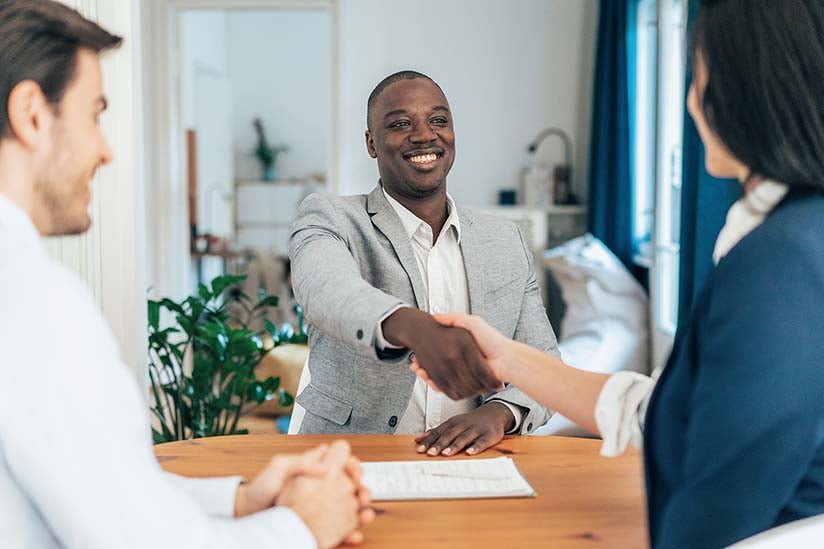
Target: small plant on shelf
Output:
[(267, 154)]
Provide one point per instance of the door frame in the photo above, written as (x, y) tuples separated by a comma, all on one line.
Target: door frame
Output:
[(164, 136)]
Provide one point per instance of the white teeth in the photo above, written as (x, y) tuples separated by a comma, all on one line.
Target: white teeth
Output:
[(424, 158)]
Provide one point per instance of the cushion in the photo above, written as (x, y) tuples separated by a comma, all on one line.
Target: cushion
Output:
[(605, 325)]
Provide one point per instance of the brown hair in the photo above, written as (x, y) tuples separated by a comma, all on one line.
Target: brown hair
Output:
[(39, 41)]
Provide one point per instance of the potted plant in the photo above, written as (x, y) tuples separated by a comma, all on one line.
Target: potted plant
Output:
[(267, 154), (202, 366)]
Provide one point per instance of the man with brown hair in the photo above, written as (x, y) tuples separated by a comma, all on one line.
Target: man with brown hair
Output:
[(76, 463)]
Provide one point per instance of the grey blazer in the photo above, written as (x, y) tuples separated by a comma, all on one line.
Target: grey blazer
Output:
[(352, 262)]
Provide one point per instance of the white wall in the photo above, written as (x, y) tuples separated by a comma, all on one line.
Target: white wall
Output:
[(203, 46), (280, 71), (110, 256), (207, 107), (508, 68)]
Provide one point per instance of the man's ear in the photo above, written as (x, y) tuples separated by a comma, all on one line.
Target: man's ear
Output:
[(370, 145), (28, 113)]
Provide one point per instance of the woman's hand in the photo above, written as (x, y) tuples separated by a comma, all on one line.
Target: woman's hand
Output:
[(494, 346)]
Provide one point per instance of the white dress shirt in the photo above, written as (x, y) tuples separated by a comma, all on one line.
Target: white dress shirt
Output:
[(622, 403), (76, 461), (444, 277)]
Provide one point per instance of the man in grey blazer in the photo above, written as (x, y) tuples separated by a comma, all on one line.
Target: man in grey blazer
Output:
[(369, 269)]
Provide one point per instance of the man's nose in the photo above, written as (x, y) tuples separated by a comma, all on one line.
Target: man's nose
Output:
[(106, 153), (422, 134)]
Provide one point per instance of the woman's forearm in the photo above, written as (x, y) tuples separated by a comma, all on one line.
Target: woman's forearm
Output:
[(562, 388)]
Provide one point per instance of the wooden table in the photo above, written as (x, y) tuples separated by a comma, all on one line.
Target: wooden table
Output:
[(584, 500)]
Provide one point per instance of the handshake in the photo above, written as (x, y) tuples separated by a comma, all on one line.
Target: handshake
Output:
[(322, 486), (458, 355)]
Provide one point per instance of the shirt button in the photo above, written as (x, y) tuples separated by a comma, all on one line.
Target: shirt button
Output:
[(411, 358), (529, 427), (359, 334), (436, 310), (393, 421)]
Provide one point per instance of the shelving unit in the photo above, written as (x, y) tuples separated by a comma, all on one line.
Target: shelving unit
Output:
[(264, 211)]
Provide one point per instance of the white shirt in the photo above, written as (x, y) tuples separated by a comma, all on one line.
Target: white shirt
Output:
[(76, 461), (622, 403), (443, 273)]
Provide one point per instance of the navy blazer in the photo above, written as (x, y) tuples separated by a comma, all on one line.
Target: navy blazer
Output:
[(734, 432)]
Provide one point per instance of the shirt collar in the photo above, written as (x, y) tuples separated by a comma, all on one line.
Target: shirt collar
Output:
[(411, 222), (15, 220), (747, 214)]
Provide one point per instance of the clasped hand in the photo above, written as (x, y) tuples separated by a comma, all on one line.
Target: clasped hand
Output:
[(322, 486)]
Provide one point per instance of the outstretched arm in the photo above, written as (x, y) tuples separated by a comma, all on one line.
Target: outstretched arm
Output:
[(570, 391)]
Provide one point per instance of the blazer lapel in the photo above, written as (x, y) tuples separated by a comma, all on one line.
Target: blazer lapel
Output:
[(387, 222), (474, 251)]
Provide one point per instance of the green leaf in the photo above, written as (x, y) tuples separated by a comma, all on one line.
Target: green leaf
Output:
[(222, 282), (256, 392), (172, 306), (158, 438), (238, 295), (285, 399), (154, 314), (268, 301), (299, 339), (272, 329), (204, 293), (246, 347)]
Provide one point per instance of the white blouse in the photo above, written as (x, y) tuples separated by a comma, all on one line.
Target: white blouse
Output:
[(622, 403)]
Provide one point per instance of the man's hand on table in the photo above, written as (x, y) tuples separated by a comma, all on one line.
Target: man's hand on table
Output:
[(449, 355), (322, 486), (475, 431)]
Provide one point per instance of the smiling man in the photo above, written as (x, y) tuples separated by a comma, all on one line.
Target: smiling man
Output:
[(369, 270)]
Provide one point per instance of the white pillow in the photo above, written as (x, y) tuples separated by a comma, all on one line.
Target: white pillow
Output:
[(605, 325)]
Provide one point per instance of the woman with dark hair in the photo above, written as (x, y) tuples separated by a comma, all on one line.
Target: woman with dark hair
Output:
[(733, 431)]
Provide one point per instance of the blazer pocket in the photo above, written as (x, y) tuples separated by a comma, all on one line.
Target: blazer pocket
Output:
[(504, 290), (323, 404)]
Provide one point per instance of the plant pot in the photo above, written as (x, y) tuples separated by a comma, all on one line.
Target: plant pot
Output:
[(270, 173)]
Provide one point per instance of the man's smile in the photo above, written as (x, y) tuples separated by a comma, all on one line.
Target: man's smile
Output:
[(424, 159)]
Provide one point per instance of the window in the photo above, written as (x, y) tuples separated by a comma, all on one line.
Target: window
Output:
[(671, 100), (643, 56), (657, 98)]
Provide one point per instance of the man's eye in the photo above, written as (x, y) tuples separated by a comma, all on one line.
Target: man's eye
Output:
[(440, 120), (399, 124)]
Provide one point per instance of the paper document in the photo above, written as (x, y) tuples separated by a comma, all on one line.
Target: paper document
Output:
[(445, 479)]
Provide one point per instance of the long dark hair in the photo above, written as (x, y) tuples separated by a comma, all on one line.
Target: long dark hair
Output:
[(765, 84)]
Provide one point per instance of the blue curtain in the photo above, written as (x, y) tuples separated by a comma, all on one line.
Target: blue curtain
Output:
[(704, 204), (610, 182)]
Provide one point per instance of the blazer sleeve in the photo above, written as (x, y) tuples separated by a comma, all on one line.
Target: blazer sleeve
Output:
[(757, 400), (327, 281), (533, 328)]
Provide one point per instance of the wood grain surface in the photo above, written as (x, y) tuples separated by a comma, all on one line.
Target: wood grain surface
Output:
[(584, 500)]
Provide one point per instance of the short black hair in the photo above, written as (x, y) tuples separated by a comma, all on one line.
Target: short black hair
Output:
[(765, 84), (39, 41), (388, 81)]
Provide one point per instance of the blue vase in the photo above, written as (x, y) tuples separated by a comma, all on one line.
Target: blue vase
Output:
[(270, 173)]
